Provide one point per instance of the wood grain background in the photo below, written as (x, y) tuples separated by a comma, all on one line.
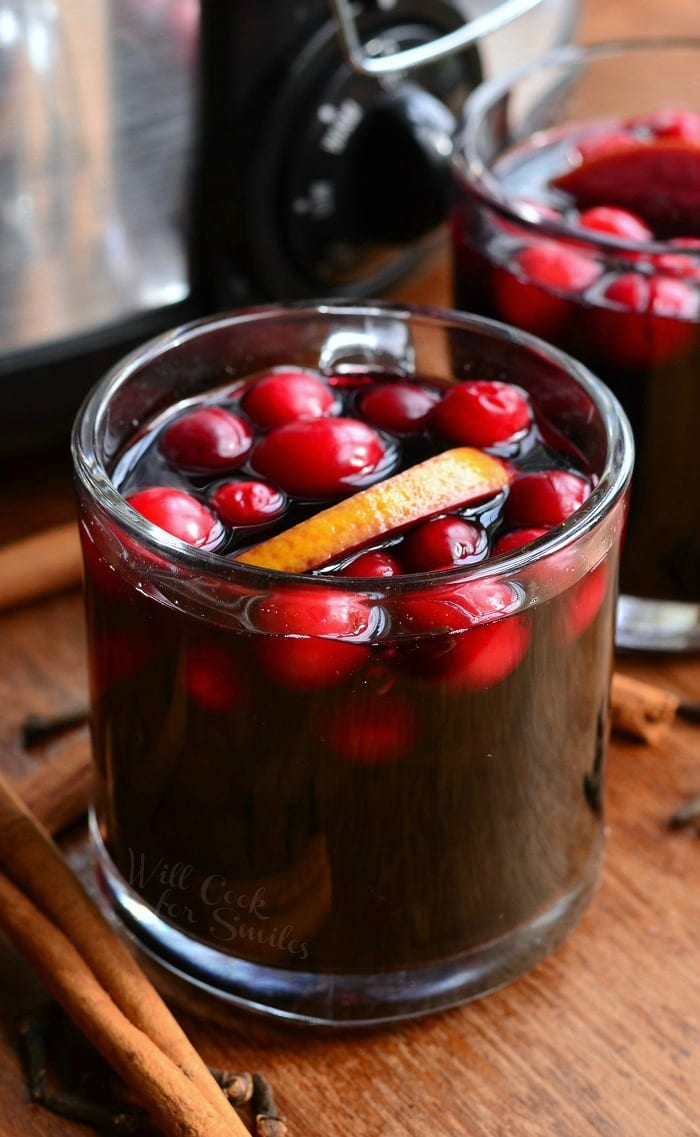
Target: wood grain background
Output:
[(602, 1039)]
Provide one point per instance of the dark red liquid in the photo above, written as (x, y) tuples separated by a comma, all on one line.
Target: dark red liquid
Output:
[(314, 792), (632, 317)]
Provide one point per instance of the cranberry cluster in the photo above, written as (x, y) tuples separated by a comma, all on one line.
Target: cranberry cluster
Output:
[(228, 470), (291, 439), (643, 311)]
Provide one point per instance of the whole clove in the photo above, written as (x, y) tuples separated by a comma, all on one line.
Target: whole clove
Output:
[(268, 1122), (53, 1051), (37, 729)]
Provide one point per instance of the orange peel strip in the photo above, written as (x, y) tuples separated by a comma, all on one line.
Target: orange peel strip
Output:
[(446, 481)]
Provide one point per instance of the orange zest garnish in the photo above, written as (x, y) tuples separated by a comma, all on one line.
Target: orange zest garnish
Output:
[(447, 481)]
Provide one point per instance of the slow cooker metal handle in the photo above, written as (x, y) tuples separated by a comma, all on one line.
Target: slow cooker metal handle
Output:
[(413, 57)]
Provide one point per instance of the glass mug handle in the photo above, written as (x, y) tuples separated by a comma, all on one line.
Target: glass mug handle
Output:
[(413, 57)]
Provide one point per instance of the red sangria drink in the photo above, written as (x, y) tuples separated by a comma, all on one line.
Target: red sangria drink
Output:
[(350, 580), (577, 218)]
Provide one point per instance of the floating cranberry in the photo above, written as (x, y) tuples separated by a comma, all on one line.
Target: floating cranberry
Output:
[(517, 539), (615, 222), (484, 656), (323, 457), (248, 503), (206, 439), (458, 607), (482, 413), (545, 498), (400, 407), (213, 677), (684, 263), (294, 653), (671, 123), (374, 563), (478, 642), (532, 293), (657, 295), (284, 396), (371, 733), (653, 319), (178, 513), (443, 543), (584, 600), (314, 612)]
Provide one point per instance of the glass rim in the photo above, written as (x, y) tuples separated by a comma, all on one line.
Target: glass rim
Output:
[(468, 167), (96, 480)]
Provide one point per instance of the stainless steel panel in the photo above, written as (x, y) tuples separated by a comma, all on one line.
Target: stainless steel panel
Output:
[(96, 121)]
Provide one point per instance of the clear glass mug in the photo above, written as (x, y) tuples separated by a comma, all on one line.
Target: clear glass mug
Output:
[(606, 307), (247, 848)]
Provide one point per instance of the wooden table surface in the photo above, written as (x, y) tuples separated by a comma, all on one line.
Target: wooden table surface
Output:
[(603, 1038)]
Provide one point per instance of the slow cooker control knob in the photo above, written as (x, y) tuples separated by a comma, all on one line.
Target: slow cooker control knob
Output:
[(399, 176), (356, 168)]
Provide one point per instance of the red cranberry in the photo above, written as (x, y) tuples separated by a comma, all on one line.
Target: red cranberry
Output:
[(657, 295), (554, 265), (401, 407), (482, 657), (584, 601), (545, 498), (616, 223), (457, 607), (248, 503), (209, 438), (529, 293), (477, 646), (516, 539), (443, 543), (374, 563), (284, 396), (178, 513), (323, 457), (656, 325), (482, 413), (672, 123), (213, 677), (311, 662), (314, 612), (372, 733), (684, 263)]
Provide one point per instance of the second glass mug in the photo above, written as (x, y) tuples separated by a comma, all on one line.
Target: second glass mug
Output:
[(627, 305), (239, 846)]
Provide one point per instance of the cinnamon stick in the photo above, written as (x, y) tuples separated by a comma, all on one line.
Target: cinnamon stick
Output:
[(172, 1099), (33, 863), (40, 565), (58, 793), (641, 710)]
